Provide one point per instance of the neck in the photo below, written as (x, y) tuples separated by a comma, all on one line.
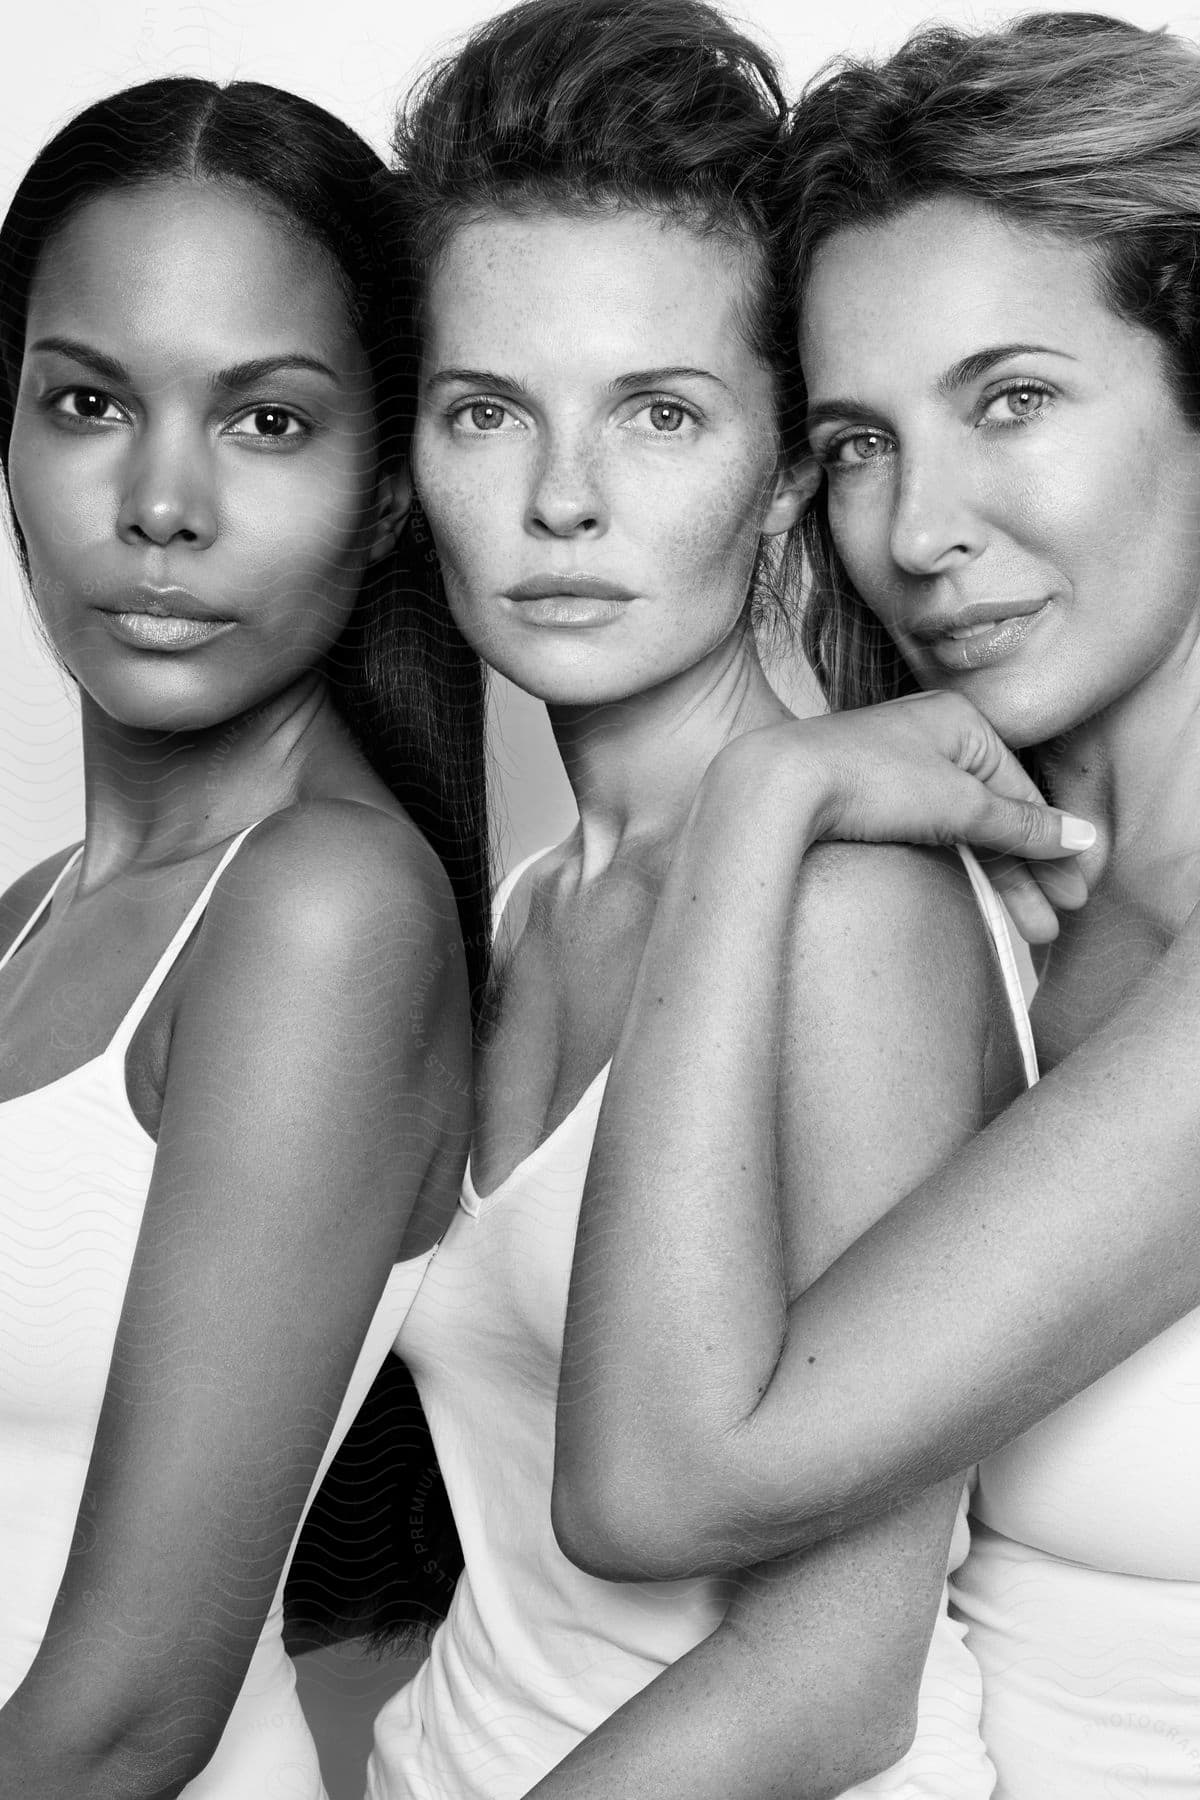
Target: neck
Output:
[(158, 797), (635, 764), (1134, 771)]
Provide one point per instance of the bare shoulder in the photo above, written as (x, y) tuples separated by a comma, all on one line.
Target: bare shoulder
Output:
[(324, 872), (888, 933), (901, 895), (334, 917), (20, 901), (893, 1024)]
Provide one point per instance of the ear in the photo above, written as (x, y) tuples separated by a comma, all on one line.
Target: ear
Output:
[(795, 485), (392, 505)]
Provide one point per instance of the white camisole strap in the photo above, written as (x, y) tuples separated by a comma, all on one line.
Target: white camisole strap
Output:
[(123, 1036), (503, 893), (997, 923), (41, 906)]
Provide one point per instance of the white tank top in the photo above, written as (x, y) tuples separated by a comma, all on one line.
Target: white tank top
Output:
[(1082, 1590), (75, 1167), (535, 1654)]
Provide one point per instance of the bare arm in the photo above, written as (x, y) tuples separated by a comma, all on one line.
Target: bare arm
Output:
[(1059, 1241), (806, 1688), (302, 1127), (881, 1058)]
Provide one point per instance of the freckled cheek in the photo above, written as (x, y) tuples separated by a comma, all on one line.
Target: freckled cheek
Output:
[(475, 515), (710, 530)]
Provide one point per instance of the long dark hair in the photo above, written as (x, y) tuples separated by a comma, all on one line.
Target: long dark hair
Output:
[(404, 679)]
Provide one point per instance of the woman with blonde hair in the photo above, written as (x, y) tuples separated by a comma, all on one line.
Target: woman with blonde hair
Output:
[(995, 241)]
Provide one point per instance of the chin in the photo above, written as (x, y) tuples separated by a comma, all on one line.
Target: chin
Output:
[(577, 680), (139, 707), (1023, 712), (574, 694)]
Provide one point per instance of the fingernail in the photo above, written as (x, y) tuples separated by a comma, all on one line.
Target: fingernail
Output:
[(1075, 834)]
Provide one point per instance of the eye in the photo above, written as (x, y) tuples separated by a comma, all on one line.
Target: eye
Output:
[(855, 449), (476, 418), (667, 418), (88, 406), (1014, 404), (269, 423)]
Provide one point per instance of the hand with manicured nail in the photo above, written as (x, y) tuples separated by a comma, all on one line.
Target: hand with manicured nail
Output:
[(926, 769)]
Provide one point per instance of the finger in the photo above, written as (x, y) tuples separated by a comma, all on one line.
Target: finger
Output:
[(1019, 885), (1026, 828), (1063, 883), (1032, 915), (980, 749)]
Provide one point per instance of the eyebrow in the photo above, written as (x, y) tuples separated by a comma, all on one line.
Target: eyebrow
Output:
[(480, 378), (651, 378), (261, 368), (961, 374), (85, 355), (237, 376), (635, 380), (980, 361)]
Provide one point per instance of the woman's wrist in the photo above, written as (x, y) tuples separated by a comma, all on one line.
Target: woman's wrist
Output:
[(768, 786)]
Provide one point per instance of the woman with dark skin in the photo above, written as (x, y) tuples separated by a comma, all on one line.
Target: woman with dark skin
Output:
[(235, 1024), (995, 244)]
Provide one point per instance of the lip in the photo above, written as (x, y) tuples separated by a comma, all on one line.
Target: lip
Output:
[(160, 603), (163, 631), (974, 617), (981, 633), (567, 587), (571, 602)]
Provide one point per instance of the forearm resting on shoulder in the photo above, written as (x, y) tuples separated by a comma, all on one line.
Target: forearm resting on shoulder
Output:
[(704, 1424)]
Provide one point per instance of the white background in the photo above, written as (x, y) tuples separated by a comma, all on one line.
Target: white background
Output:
[(354, 57)]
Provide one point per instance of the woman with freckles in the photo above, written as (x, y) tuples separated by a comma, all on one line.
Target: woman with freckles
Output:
[(234, 1020), (601, 456), (994, 248)]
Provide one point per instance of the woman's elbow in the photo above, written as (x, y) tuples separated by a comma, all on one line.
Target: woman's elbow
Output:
[(137, 1768), (605, 1526), (94, 1751), (625, 1522), (853, 1744), (886, 1739)]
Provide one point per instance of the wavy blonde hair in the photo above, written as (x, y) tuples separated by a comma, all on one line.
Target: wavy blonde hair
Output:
[(1069, 122)]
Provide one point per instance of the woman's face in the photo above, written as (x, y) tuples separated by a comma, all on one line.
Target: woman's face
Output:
[(193, 454), (1013, 487), (596, 448)]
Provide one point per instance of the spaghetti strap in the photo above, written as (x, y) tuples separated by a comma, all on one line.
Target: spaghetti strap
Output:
[(41, 906), (997, 923), (504, 892), (123, 1036)]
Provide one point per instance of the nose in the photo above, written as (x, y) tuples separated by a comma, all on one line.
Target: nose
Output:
[(168, 496), (566, 499), (937, 525)]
